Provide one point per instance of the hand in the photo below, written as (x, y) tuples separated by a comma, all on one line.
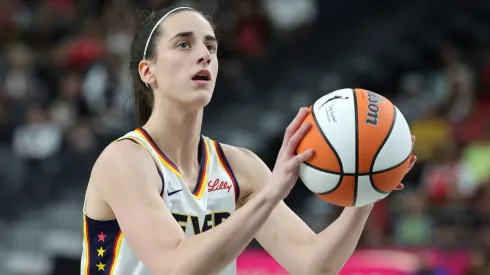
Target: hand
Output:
[(413, 159), (286, 170)]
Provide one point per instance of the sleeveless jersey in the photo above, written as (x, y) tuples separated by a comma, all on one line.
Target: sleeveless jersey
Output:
[(105, 250)]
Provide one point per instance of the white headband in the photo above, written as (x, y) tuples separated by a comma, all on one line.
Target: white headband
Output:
[(158, 23)]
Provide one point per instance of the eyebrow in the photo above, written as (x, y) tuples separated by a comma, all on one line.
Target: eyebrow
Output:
[(191, 34)]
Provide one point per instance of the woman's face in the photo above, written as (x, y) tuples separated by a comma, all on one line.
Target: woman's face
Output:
[(186, 66)]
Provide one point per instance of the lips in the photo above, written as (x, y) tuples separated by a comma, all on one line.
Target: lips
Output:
[(202, 75)]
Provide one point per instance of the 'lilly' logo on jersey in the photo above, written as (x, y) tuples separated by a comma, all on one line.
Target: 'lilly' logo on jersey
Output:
[(218, 185)]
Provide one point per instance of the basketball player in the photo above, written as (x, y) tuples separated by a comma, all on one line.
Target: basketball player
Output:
[(164, 199)]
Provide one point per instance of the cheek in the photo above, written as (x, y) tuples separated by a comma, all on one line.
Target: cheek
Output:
[(170, 70), (215, 66)]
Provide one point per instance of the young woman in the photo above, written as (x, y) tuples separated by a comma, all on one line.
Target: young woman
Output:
[(157, 195)]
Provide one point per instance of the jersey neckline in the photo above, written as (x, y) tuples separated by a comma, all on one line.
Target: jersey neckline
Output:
[(203, 164)]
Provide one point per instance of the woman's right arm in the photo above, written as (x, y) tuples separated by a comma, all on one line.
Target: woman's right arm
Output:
[(124, 177), (131, 190)]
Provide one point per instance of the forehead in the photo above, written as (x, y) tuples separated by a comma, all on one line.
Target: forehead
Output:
[(186, 21)]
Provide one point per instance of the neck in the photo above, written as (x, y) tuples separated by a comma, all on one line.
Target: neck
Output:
[(177, 132)]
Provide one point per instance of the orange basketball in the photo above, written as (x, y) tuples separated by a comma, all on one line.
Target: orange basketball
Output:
[(362, 147)]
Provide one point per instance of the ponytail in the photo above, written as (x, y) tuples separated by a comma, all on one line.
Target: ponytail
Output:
[(143, 104)]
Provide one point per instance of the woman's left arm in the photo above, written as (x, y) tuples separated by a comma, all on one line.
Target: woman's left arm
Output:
[(286, 237)]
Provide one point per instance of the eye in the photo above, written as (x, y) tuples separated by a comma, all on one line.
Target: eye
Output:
[(183, 45), (212, 48)]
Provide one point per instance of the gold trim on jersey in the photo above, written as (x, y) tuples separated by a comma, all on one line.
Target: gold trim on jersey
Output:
[(200, 187), (87, 246)]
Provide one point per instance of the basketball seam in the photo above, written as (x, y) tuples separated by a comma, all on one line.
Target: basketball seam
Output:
[(317, 125), (356, 134), (371, 180), (391, 168), (383, 171), (354, 174)]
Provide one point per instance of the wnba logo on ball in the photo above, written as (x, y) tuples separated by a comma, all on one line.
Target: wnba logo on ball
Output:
[(373, 108)]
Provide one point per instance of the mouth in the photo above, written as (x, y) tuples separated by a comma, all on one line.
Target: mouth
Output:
[(202, 75)]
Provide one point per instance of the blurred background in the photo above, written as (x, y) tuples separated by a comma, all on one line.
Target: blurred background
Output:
[(65, 93)]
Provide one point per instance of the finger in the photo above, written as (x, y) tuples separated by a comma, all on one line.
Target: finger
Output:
[(299, 159), (400, 187), (295, 124), (413, 141), (293, 127), (297, 137), (413, 159)]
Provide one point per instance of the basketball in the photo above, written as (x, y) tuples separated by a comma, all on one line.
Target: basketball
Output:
[(362, 147)]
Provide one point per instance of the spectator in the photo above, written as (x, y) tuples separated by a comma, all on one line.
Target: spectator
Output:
[(88, 47), (66, 109), (446, 178), (37, 142), (20, 84), (476, 157), (414, 101), (252, 29), (456, 87), (289, 15), (38, 138)]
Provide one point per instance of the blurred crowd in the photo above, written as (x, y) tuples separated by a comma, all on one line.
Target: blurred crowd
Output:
[(65, 90), (65, 93)]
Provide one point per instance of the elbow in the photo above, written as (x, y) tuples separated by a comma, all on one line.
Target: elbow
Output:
[(171, 262)]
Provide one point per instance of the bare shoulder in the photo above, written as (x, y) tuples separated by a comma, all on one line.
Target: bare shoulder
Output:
[(239, 154), (123, 165), (122, 159), (116, 154), (251, 172)]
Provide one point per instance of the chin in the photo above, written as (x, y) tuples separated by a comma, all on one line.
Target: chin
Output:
[(199, 99)]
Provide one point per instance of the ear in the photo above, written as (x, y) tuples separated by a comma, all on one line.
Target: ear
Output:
[(144, 70)]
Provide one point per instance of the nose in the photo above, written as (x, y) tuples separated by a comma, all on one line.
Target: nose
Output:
[(204, 56)]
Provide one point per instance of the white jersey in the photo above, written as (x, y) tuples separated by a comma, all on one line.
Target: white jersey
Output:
[(105, 250)]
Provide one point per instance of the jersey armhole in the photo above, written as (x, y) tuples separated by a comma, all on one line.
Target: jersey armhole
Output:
[(156, 164), (227, 166)]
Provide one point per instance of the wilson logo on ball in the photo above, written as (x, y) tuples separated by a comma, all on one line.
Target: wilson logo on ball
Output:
[(373, 108)]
